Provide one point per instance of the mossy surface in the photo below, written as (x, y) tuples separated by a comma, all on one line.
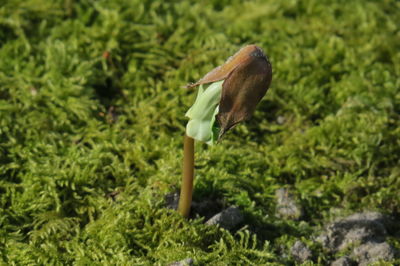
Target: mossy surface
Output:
[(92, 119)]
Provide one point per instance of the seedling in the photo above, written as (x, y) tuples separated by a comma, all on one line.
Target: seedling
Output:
[(227, 95)]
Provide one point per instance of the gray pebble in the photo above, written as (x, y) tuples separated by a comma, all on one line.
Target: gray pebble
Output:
[(357, 228), (343, 261), (286, 206), (372, 252), (227, 219), (172, 200), (300, 252), (185, 262), (280, 120)]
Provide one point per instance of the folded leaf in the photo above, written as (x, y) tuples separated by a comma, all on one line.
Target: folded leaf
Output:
[(202, 113)]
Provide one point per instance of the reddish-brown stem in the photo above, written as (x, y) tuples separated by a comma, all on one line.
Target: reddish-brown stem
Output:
[(185, 199)]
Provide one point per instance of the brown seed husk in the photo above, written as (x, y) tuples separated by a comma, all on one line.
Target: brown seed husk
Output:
[(243, 89), (221, 72)]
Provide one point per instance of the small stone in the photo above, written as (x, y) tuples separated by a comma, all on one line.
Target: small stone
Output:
[(172, 200), (185, 262), (280, 120), (371, 216), (343, 261), (227, 219), (300, 252), (287, 208), (358, 228), (34, 91), (373, 252)]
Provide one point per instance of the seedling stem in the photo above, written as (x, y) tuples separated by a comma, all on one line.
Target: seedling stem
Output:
[(185, 199)]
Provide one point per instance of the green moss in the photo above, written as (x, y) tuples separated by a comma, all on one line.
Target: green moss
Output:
[(92, 105)]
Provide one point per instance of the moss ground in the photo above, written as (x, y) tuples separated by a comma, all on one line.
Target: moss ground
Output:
[(92, 120)]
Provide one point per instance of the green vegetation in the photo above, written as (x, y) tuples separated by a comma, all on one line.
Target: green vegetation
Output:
[(92, 120)]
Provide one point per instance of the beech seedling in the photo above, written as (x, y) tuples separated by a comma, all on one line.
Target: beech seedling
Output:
[(227, 95)]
